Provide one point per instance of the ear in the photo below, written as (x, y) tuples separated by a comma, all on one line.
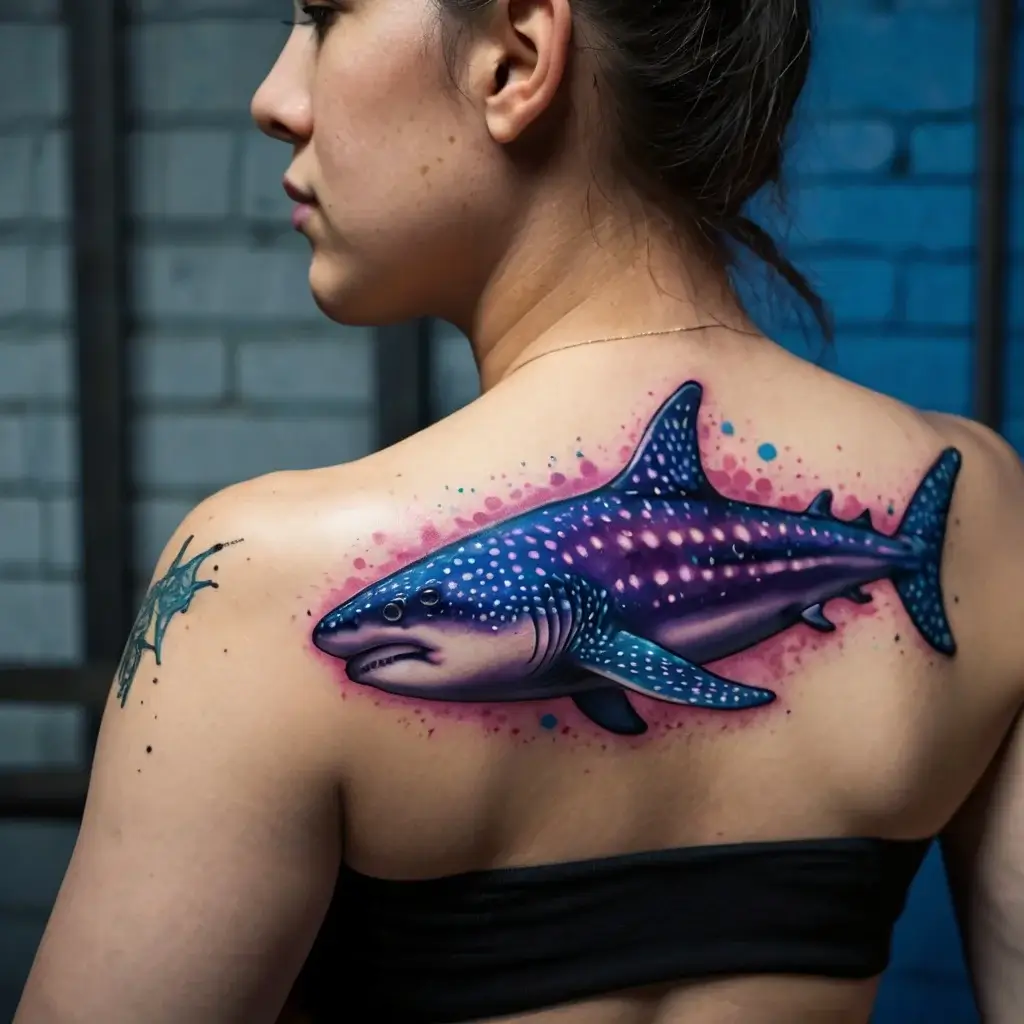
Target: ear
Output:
[(531, 40)]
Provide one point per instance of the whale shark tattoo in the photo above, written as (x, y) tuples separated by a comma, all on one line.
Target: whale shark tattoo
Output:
[(633, 588)]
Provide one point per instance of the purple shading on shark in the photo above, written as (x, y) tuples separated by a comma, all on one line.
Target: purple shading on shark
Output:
[(634, 587)]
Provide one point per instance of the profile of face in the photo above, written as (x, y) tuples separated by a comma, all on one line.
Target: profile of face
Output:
[(412, 196)]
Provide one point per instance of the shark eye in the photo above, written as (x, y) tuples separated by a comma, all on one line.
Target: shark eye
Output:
[(393, 611), (430, 597)]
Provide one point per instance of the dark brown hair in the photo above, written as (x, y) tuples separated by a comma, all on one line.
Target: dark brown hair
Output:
[(702, 93)]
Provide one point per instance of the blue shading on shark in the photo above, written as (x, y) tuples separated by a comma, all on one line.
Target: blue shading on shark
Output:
[(633, 588)]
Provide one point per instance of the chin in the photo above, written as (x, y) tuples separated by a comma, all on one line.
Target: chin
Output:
[(355, 299)]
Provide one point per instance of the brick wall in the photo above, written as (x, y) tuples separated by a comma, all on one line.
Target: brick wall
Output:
[(883, 193), (38, 472), (237, 373), (38, 599)]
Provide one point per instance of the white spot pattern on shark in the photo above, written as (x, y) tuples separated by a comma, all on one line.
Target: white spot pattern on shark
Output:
[(597, 611)]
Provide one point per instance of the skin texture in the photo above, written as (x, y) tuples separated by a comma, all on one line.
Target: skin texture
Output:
[(230, 780)]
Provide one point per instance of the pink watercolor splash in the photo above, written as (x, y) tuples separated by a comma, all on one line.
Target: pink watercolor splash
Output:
[(735, 470)]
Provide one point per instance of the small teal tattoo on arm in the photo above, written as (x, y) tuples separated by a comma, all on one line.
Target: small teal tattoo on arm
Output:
[(168, 596)]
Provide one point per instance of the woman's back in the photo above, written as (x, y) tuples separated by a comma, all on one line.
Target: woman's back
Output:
[(877, 730), (633, 691)]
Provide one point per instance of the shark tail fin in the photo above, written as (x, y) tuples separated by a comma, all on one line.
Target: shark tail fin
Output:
[(925, 525)]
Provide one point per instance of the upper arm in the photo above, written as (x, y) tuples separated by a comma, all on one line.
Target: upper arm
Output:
[(983, 846), (210, 841), (984, 854)]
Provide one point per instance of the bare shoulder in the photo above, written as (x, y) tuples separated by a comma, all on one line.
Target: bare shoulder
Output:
[(250, 562), (219, 653), (992, 460), (989, 540)]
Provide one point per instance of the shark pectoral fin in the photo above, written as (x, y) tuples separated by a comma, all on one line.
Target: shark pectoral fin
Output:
[(610, 708), (646, 668), (815, 617)]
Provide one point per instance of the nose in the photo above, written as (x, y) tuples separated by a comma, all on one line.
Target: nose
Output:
[(282, 106)]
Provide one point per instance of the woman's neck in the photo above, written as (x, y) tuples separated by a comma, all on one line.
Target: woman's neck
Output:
[(607, 282)]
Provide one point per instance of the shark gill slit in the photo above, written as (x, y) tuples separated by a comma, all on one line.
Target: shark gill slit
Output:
[(553, 621), (550, 636), (541, 639), (556, 612)]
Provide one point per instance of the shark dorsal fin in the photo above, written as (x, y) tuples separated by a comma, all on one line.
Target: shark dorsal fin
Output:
[(667, 460), (821, 507)]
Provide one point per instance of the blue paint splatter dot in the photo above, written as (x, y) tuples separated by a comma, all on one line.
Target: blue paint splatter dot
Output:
[(549, 722), (728, 429), (768, 452)]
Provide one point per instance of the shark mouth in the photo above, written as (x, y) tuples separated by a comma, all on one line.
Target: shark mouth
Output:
[(379, 657)]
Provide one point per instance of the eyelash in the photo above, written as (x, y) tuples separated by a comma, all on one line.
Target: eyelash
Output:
[(319, 17)]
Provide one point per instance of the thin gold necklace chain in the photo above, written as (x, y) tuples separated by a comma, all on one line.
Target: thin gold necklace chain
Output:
[(618, 337)]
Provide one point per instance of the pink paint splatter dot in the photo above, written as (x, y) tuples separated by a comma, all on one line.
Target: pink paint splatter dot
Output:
[(430, 535), (587, 468), (741, 480), (481, 519), (729, 463), (763, 486), (359, 563), (494, 503), (557, 480), (516, 494)]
